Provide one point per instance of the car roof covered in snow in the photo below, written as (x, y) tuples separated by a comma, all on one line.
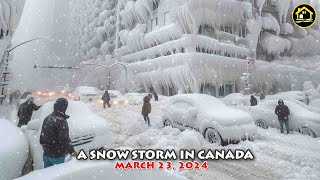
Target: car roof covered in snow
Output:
[(212, 107), (81, 117), (294, 108), (86, 90)]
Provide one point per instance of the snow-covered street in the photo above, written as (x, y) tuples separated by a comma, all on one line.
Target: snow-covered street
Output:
[(277, 156)]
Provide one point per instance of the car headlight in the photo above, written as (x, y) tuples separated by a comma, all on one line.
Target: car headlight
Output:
[(63, 92), (115, 102), (126, 102), (39, 93)]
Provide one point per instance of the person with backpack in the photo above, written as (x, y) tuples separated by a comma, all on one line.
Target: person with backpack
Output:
[(283, 112), (146, 109), (26, 110)]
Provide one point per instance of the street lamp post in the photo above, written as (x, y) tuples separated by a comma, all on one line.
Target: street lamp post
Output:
[(109, 72), (5, 59)]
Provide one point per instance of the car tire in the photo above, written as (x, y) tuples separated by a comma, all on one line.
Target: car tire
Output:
[(261, 124), (307, 131), (213, 136), (167, 122)]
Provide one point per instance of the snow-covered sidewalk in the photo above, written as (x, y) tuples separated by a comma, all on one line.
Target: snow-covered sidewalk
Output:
[(277, 156)]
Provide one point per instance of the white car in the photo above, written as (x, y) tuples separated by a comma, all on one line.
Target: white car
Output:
[(97, 170), (87, 130), (236, 99), (301, 119), (208, 115), (84, 93), (290, 95), (116, 98), (13, 150), (136, 98)]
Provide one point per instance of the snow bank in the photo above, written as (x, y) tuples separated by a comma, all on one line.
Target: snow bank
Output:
[(96, 170), (236, 99), (13, 151), (270, 23)]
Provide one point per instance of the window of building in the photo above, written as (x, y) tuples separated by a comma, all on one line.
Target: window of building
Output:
[(167, 18), (253, 2), (154, 23), (155, 5), (243, 31), (227, 29), (206, 30)]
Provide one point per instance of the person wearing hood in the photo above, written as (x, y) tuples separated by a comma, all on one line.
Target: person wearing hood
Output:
[(106, 99), (54, 137), (26, 110), (146, 109), (253, 101), (283, 112)]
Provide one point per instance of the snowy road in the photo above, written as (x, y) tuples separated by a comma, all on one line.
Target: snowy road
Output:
[(278, 156)]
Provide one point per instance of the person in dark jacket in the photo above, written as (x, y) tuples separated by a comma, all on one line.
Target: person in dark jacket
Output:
[(106, 99), (155, 95), (283, 113), (54, 137), (146, 109), (26, 110), (253, 101)]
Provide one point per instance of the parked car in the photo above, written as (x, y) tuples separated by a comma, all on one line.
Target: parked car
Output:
[(301, 119), (13, 146), (87, 130), (24, 96), (213, 119), (136, 98), (84, 93), (118, 99), (236, 99), (290, 95)]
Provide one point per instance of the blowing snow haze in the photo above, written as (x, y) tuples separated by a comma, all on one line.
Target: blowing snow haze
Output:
[(40, 19)]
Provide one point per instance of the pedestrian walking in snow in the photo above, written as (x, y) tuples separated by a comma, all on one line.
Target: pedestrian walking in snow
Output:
[(155, 95), (146, 109), (283, 113), (106, 99), (26, 110), (253, 101), (54, 137)]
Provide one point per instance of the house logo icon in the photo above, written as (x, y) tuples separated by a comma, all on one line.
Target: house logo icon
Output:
[(304, 16)]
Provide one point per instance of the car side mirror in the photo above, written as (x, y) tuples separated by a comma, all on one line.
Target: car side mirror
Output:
[(193, 112), (34, 124)]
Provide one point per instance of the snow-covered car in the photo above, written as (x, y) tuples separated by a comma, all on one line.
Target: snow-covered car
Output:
[(211, 117), (13, 150), (84, 93), (315, 104), (96, 170), (86, 130), (290, 95), (236, 99), (136, 98), (24, 96), (301, 119), (118, 99)]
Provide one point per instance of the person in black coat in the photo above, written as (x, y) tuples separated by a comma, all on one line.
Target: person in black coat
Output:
[(26, 110), (106, 99), (253, 101), (54, 137), (155, 95), (283, 112)]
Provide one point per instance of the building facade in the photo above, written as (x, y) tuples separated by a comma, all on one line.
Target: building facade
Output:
[(200, 46)]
